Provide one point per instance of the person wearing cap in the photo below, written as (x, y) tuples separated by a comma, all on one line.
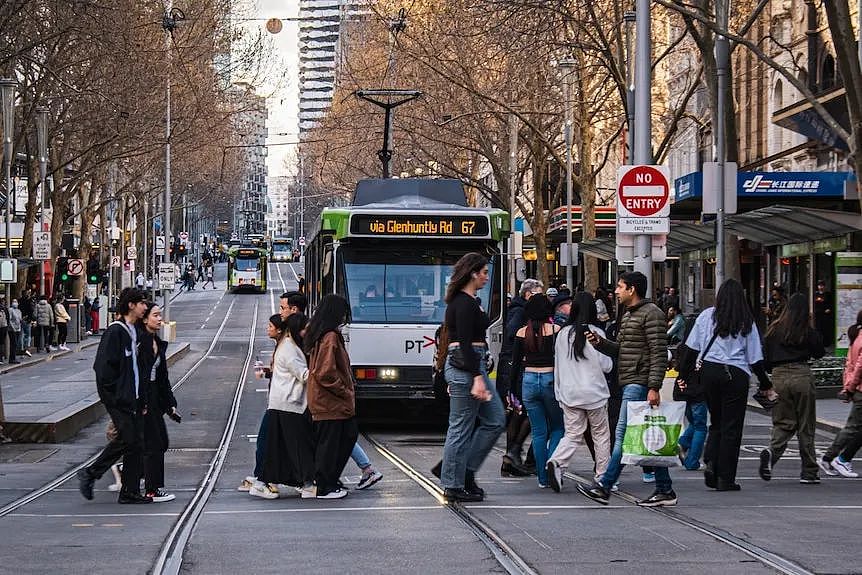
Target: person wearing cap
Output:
[(552, 293), (824, 318), (562, 305)]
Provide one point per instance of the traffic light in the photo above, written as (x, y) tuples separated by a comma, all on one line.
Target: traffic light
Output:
[(63, 269), (181, 250), (94, 274)]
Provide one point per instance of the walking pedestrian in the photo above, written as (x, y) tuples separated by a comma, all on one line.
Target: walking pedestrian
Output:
[(289, 451), (838, 457), (208, 272), (159, 401), (370, 475), (582, 392), (27, 305), (534, 350), (95, 306), (824, 318), (4, 329), (641, 349), (61, 317), (140, 281), (44, 324), (330, 395), (15, 322), (476, 415), (517, 421), (730, 342), (789, 344), (119, 385)]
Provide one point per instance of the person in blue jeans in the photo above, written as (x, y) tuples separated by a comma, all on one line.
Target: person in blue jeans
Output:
[(370, 476), (692, 440), (641, 352), (476, 416), (534, 351)]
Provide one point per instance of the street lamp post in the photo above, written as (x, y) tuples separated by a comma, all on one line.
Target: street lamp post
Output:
[(7, 95), (568, 65), (42, 144), (643, 125)]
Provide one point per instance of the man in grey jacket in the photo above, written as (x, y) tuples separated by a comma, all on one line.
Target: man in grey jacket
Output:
[(641, 354)]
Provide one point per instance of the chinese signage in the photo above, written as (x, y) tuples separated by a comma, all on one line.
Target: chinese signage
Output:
[(775, 185), (419, 225)]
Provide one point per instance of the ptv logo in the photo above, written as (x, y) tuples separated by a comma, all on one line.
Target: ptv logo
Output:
[(418, 344)]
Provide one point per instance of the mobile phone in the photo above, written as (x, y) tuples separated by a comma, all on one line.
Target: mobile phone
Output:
[(585, 329)]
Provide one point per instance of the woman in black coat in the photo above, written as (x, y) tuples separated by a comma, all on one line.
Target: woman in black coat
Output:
[(160, 401)]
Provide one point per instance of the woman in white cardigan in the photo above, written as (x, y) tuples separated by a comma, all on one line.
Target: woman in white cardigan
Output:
[(289, 454), (582, 390)]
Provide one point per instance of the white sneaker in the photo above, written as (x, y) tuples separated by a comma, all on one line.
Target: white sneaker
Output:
[(337, 494), (826, 467), (27, 353), (64, 348), (246, 484), (115, 486), (264, 490), (309, 492), (844, 468)]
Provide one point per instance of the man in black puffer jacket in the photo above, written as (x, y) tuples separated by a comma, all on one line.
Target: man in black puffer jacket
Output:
[(122, 391)]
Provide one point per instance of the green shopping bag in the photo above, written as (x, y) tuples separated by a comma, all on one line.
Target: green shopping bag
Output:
[(652, 433)]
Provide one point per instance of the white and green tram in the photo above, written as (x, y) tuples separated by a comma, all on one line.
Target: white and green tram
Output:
[(390, 254)]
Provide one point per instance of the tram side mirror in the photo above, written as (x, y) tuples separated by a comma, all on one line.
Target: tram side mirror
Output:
[(327, 264), (521, 269)]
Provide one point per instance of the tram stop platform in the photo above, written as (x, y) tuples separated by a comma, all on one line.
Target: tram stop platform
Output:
[(48, 398)]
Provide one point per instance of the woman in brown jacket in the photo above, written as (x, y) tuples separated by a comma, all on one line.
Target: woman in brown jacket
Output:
[(330, 395)]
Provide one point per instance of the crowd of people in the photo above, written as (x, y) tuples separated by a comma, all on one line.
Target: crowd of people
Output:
[(32, 323), (570, 363)]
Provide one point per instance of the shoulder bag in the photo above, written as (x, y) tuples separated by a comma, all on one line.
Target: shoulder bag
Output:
[(693, 385)]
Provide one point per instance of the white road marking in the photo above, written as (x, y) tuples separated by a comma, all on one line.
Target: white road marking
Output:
[(83, 515), (326, 509), (296, 277)]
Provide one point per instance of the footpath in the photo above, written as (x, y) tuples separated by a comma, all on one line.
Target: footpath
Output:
[(48, 398)]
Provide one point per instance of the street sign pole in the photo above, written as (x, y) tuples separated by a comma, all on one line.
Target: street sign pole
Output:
[(643, 127)]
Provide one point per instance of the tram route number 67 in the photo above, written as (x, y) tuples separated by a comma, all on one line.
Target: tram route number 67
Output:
[(418, 344), (467, 228)]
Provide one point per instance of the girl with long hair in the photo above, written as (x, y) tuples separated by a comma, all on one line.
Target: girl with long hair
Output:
[(160, 401), (582, 392), (534, 350), (836, 460), (725, 339), (289, 451), (331, 399), (789, 345), (471, 399)]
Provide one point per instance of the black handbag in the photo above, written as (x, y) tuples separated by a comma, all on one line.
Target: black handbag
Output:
[(694, 388)]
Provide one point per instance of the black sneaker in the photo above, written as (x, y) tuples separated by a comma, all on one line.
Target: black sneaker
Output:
[(724, 485), (461, 495), (597, 493), (133, 498), (555, 476), (810, 480), (659, 499), (471, 486), (85, 483), (765, 469)]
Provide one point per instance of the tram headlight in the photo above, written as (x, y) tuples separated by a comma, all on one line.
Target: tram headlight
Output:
[(388, 373)]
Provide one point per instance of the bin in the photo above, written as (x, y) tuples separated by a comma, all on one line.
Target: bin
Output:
[(75, 326)]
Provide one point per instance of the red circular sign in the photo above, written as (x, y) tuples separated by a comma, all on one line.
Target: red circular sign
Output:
[(643, 191)]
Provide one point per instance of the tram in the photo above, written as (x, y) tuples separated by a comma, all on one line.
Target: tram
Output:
[(390, 254), (246, 269), (281, 250)]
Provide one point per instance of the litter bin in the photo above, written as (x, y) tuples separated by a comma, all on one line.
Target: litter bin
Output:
[(75, 325)]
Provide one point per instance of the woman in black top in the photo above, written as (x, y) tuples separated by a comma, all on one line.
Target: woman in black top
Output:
[(471, 400), (159, 399), (789, 343), (534, 350)]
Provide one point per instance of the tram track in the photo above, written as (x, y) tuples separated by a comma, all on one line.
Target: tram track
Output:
[(71, 473), (502, 552), (170, 557)]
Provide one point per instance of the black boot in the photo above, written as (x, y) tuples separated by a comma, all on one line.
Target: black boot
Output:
[(511, 468), (470, 485)]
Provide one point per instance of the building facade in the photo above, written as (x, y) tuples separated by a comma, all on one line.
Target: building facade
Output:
[(250, 201)]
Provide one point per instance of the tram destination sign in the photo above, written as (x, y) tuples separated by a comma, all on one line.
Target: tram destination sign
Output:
[(395, 225)]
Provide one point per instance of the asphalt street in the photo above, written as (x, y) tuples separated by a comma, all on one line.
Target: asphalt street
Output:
[(399, 526)]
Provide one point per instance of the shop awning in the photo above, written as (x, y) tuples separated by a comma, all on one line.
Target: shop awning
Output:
[(777, 225), (773, 225)]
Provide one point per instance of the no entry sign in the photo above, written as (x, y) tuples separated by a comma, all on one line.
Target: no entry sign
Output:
[(643, 200)]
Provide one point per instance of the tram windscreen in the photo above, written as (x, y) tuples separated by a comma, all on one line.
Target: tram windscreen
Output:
[(392, 286), (282, 248), (246, 264)]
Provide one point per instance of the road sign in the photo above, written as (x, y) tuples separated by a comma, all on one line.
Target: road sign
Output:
[(42, 245), (129, 265), (302, 241), (76, 267), (160, 245), (184, 236), (167, 276), (116, 261), (643, 200), (131, 253), (8, 271)]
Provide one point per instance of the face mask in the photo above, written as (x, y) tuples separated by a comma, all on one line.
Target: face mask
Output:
[(15, 304)]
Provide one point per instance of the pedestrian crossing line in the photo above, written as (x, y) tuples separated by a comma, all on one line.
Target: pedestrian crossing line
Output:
[(327, 509), (91, 515)]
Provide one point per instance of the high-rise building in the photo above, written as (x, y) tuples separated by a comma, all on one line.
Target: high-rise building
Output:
[(250, 124), (319, 32)]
